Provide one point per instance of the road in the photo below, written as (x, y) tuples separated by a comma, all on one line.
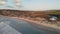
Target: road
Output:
[(22, 27)]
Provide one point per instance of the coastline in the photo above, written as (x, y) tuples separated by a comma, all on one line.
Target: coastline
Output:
[(40, 25), (43, 25), (36, 22)]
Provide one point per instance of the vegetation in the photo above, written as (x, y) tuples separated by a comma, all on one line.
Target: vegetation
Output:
[(55, 12), (34, 15), (23, 13), (31, 14)]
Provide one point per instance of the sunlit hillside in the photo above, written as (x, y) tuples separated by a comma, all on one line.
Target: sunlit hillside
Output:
[(32, 14), (56, 12), (23, 13)]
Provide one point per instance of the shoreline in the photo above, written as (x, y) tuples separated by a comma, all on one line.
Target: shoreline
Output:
[(40, 26), (53, 26), (43, 25)]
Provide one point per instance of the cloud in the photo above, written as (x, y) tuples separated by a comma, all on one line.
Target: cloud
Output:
[(35, 4), (41, 4), (2, 2), (39, 7)]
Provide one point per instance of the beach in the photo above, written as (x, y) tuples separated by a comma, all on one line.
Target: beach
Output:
[(36, 25)]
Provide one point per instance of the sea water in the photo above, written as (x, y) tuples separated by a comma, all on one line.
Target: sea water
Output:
[(23, 27)]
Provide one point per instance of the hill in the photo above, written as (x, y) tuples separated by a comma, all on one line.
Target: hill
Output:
[(23, 13), (32, 14), (55, 12)]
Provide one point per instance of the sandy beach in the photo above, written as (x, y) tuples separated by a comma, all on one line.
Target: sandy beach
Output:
[(42, 26), (38, 24)]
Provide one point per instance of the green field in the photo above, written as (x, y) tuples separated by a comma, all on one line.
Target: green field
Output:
[(56, 12)]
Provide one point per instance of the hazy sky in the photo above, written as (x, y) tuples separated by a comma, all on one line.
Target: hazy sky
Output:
[(37, 4)]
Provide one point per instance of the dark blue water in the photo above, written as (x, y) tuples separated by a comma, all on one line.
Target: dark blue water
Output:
[(24, 27)]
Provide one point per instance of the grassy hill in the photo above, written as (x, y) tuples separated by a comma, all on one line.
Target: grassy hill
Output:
[(23, 13), (7, 12), (55, 12)]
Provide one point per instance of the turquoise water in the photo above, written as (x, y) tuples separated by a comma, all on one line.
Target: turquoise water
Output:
[(24, 27)]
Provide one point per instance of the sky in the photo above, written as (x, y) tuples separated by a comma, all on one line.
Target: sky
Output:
[(37, 4)]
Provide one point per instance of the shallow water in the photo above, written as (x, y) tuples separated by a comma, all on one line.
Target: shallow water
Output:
[(24, 27)]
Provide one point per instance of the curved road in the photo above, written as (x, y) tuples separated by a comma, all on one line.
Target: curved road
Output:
[(24, 27)]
